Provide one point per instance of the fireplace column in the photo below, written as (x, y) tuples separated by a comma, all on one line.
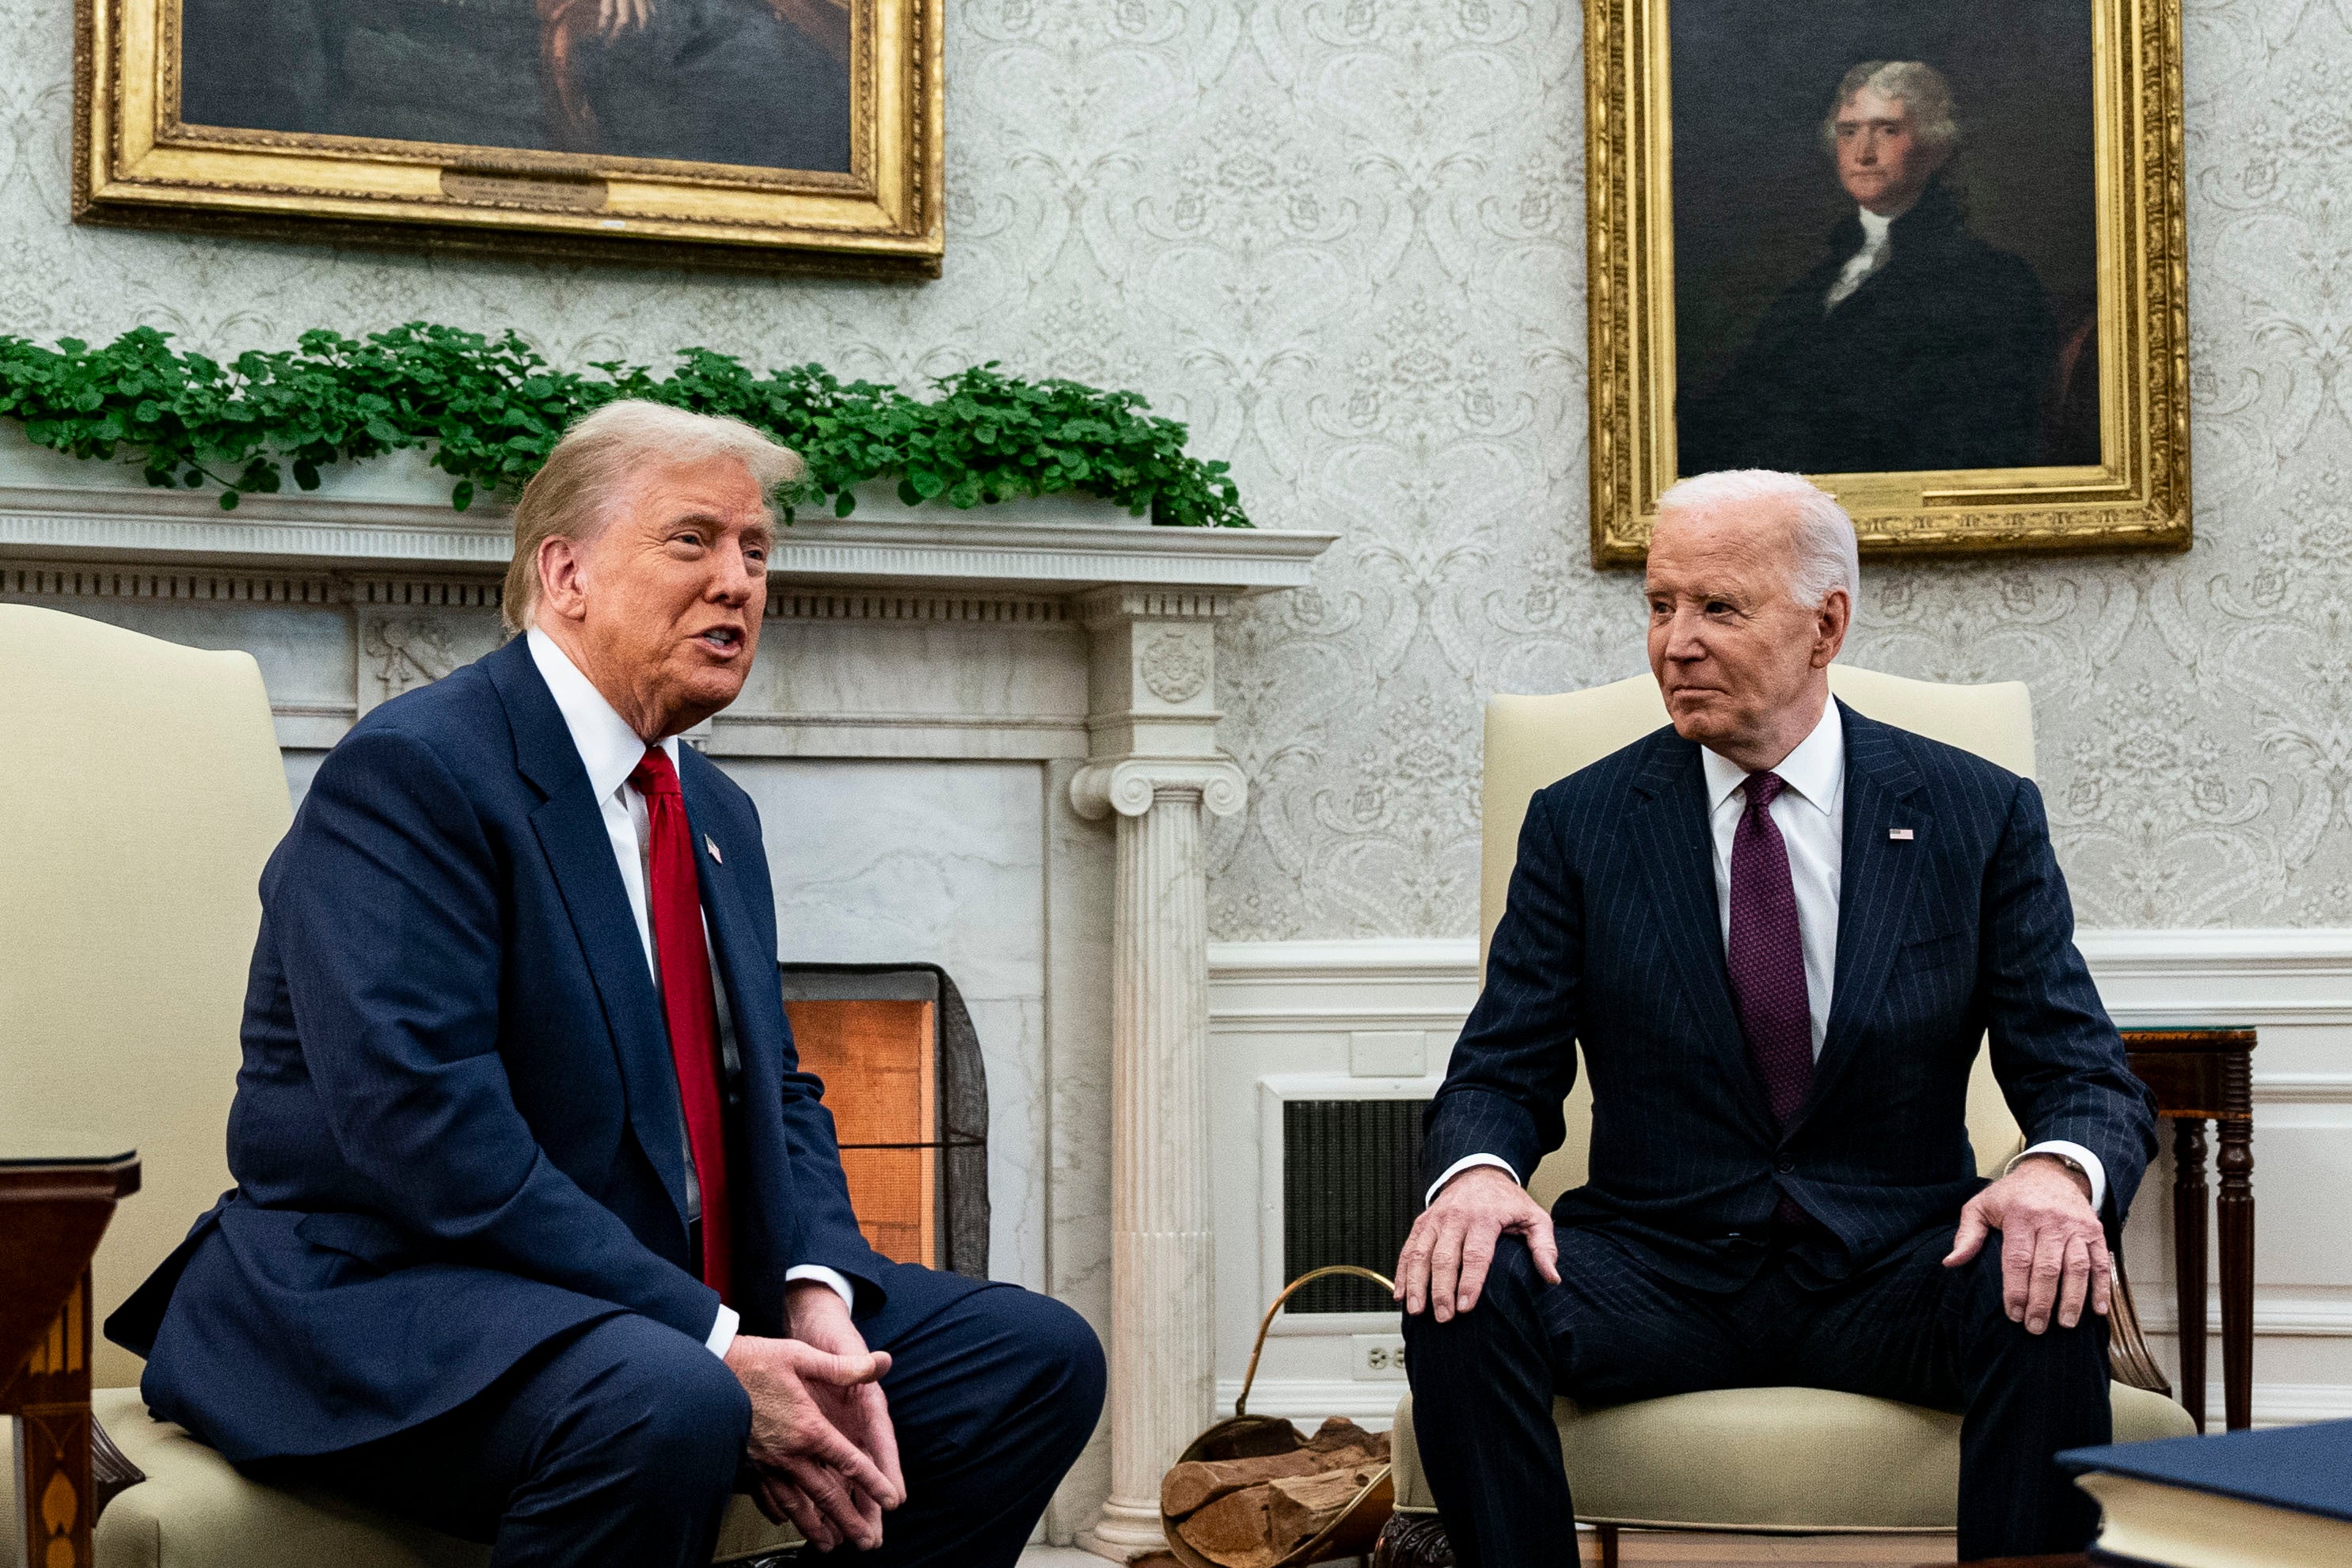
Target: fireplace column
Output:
[(1154, 762)]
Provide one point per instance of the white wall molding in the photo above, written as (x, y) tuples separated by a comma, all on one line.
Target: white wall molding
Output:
[(1371, 1403), (2220, 975), (2199, 976), (395, 513), (1376, 983), (2280, 1313)]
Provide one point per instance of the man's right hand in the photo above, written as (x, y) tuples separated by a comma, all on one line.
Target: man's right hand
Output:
[(1444, 1262), (790, 1437)]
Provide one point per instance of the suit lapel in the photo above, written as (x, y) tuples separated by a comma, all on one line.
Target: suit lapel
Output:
[(571, 827), (1877, 880), (1677, 861)]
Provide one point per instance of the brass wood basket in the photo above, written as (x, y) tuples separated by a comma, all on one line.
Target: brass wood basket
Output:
[(1242, 1436)]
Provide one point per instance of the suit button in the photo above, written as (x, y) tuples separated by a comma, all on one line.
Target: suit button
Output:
[(1785, 1167)]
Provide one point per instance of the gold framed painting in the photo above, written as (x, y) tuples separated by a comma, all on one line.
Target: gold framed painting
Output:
[(1930, 254), (762, 132)]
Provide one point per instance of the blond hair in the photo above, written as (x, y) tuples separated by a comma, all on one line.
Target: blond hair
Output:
[(1827, 556), (574, 490)]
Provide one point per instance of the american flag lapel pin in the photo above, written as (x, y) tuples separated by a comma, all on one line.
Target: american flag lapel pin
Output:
[(1900, 836), (712, 845)]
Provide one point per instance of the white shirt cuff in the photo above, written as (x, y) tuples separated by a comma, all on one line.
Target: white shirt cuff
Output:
[(839, 1281), (1463, 1164), (2081, 1156), (722, 1332)]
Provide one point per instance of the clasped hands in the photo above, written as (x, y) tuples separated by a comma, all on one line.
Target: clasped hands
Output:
[(821, 1445), (2054, 1252)]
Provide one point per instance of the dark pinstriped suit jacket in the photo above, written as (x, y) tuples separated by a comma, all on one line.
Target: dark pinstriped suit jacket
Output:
[(1612, 938)]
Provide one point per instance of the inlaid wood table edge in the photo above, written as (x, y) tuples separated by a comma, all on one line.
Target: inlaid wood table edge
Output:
[(52, 1213), (2201, 1075)]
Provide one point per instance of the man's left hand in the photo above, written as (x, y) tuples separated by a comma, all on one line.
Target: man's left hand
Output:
[(2053, 1253), (860, 1412)]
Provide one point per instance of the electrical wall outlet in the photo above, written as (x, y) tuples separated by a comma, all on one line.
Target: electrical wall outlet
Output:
[(1377, 1356)]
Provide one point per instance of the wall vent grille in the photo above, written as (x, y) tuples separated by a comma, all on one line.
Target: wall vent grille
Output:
[(1351, 1186)]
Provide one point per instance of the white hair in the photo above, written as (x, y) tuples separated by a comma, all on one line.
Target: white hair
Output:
[(575, 489), (1915, 85), (1827, 558)]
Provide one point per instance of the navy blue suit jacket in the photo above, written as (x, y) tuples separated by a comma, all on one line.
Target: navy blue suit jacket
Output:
[(457, 1130), (1611, 939)]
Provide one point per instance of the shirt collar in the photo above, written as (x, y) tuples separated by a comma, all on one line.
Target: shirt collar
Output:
[(609, 749), (1814, 771), (1874, 226)]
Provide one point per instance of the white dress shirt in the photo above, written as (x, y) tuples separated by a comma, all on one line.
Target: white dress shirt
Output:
[(1810, 811), (610, 751), (1862, 262)]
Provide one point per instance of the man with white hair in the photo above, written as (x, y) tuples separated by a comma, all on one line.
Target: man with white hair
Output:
[(1911, 343), (1778, 930), (539, 1235)]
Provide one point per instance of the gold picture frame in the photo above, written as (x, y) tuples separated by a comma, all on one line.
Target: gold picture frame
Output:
[(139, 163), (2135, 494)]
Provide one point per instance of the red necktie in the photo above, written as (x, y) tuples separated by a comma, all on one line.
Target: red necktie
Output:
[(675, 898)]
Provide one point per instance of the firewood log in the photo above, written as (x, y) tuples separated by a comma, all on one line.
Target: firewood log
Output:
[(1232, 1529), (1198, 1482), (1302, 1506), (1339, 1433)]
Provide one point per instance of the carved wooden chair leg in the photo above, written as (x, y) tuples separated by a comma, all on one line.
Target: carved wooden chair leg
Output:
[(1413, 1540), (1607, 1536)]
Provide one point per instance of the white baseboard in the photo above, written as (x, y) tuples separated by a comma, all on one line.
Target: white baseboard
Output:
[(1307, 1400)]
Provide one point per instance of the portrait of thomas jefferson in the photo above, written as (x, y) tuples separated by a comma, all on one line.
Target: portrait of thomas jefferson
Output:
[(1911, 342), (757, 83)]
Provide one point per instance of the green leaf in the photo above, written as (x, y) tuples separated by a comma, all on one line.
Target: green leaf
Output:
[(489, 410)]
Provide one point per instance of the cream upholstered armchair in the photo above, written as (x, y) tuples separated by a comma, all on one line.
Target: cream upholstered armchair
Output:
[(144, 792), (1774, 1460)]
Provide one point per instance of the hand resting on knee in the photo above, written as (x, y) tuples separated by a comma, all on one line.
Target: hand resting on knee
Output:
[(1445, 1259), (2054, 1252)]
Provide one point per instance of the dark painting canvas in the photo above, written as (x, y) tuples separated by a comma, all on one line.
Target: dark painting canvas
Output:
[(1884, 235), (759, 84)]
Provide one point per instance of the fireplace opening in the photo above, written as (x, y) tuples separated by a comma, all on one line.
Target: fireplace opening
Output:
[(903, 1078)]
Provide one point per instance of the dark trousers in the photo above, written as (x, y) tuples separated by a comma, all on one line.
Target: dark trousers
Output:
[(1616, 1330), (620, 1444)]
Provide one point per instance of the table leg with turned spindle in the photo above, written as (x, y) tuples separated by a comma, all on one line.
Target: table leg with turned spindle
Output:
[(2189, 1259), (2234, 1214)]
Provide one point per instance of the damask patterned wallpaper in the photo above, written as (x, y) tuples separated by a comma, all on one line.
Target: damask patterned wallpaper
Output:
[(1344, 238)]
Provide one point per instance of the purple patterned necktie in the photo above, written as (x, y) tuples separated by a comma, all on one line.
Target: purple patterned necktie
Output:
[(1767, 955)]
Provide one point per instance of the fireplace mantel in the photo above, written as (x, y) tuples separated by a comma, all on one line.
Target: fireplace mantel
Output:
[(986, 739), (393, 515)]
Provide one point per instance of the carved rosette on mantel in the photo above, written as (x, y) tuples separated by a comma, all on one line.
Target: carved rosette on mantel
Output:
[(1154, 762), (1053, 653)]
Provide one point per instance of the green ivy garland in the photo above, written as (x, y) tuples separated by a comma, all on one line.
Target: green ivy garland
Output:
[(489, 410)]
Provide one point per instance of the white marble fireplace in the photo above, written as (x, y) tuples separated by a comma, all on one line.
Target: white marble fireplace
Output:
[(985, 741)]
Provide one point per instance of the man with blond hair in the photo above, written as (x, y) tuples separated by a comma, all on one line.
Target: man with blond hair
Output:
[(1777, 930), (539, 1236)]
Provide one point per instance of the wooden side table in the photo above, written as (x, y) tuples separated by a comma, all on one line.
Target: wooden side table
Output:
[(54, 1206), (2201, 1075)]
